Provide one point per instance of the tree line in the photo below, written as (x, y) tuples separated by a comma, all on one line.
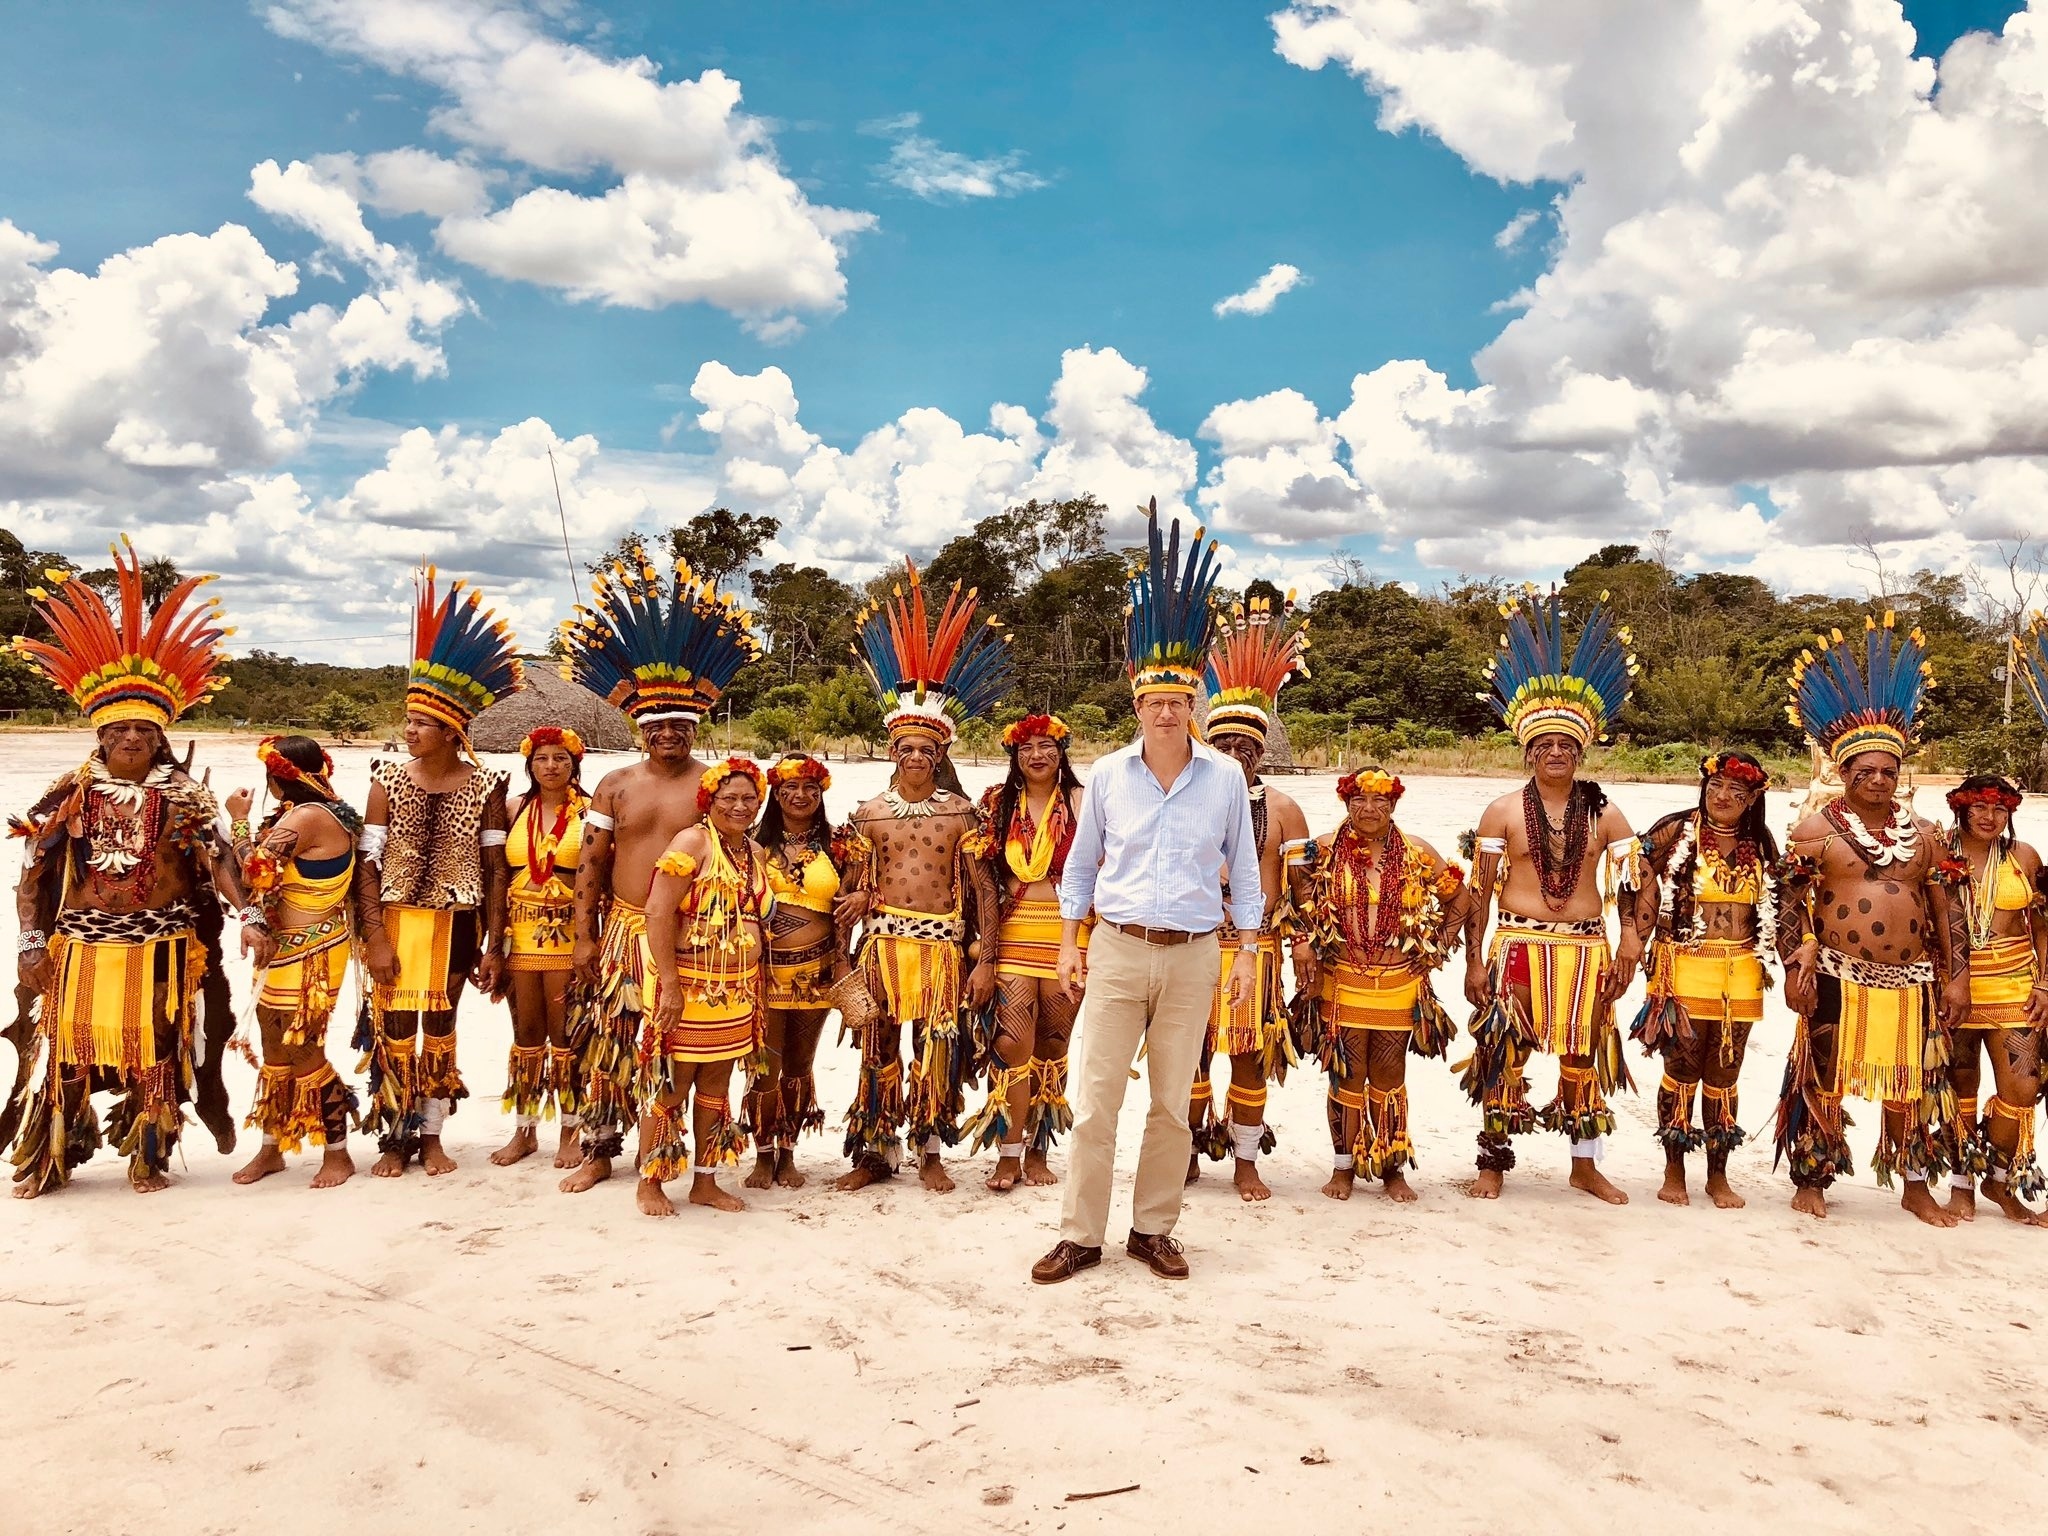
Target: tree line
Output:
[(1392, 669)]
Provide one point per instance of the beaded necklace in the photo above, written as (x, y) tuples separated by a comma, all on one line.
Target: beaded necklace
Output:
[(1381, 908), (1557, 881)]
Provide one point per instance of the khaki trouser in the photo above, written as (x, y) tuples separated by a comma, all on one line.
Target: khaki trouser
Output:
[(1138, 993)]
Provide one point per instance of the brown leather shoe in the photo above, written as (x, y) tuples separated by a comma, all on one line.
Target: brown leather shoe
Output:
[(1161, 1252), (1064, 1262)]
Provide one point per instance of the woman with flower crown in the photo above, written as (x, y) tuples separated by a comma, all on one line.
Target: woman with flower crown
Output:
[(544, 840), (1708, 908)]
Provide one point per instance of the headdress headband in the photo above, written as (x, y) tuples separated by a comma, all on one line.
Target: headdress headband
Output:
[(790, 769), (1851, 706), (1251, 660), (1168, 621), (2006, 796), (320, 780), (718, 773), (463, 660), (1538, 691), (932, 679), (1370, 781), (657, 654), (552, 736), (1726, 765), (1052, 727), (150, 666)]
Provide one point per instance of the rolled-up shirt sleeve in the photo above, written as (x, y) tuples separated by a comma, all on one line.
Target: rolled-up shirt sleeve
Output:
[(1084, 854), (1241, 858)]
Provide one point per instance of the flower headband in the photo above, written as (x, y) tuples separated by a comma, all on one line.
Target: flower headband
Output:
[(1031, 726), (791, 769), (282, 768), (716, 775), (2003, 796), (1370, 781), (552, 736), (1727, 766)]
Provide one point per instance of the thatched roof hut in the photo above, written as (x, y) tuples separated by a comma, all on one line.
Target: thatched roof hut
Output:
[(550, 699)]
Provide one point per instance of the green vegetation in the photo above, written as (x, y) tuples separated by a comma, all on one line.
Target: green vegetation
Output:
[(1395, 673)]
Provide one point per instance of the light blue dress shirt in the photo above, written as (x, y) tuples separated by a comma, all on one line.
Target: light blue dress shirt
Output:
[(1156, 857)]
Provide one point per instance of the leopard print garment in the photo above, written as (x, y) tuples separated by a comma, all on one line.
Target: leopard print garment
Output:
[(433, 856), (1875, 974)]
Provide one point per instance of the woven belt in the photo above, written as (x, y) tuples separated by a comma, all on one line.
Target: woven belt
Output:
[(1160, 937)]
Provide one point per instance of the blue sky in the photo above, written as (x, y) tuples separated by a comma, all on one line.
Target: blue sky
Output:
[(1179, 155)]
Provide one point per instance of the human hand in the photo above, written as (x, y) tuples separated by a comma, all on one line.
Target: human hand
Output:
[(237, 804), (258, 945), (981, 984), (33, 966), (382, 959), (583, 962), (1244, 977), (1073, 969), (1478, 984)]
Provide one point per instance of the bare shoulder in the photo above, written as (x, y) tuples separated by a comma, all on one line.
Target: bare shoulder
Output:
[(1424, 851), (2029, 859), (1809, 834), (1614, 827), (514, 804), (873, 810), (1500, 812), (609, 787)]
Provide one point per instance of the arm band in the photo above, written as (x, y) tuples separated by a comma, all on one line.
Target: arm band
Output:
[(599, 820), (1493, 845), (492, 839), (370, 844)]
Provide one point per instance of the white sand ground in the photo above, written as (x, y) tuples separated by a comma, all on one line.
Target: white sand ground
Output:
[(481, 1353)]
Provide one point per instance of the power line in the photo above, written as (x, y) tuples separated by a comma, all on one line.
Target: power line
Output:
[(562, 512)]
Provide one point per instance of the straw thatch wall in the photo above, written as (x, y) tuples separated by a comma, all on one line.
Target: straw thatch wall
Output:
[(550, 699), (1279, 752)]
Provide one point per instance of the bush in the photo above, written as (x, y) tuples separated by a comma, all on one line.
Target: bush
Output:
[(341, 714), (1088, 721), (776, 730), (2013, 750)]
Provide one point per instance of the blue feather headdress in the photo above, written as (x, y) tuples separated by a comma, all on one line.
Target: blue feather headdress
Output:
[(659, 651), (1537, 691), (2030, 659), (1873, 705), (932, 680), (463, 658), (1168, 622)]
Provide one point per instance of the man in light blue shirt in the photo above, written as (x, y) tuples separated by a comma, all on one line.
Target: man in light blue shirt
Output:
[(1163, 821)]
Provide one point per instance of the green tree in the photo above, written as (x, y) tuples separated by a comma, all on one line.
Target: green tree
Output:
[(806, 616), (718, 544), (341, 714), (978, 739), (775, 729), (843, 707), (1705, 699)]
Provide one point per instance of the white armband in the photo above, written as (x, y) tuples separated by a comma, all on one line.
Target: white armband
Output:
[(599, 820), (1297, 853), (492, 839), (1487, 845), (370, 844)]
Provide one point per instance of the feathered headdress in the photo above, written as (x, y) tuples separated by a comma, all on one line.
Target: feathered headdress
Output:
[(1873, 705), (1253, 656), (463, 659), (1537, 692), (931, 680), (145, 666), (1168, 621), (657, 659), (2030, 658)]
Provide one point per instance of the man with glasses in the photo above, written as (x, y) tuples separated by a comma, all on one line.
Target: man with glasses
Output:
[(1164, 822)]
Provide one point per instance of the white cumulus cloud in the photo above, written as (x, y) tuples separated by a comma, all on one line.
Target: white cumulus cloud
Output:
[(920, 166), (1259, 299)]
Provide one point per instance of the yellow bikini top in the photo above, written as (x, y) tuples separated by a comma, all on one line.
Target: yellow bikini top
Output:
[(2011, 893), (812, 886), (1719, 882), (520, 852)]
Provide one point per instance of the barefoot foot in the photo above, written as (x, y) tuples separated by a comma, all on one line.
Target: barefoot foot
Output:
[(336, 1167), (1962, 1200), (764, 1169), (1249, 1185), (861, 1175), (589, 1173), (388, 1166), (787, 1174), (1722, 1193), (1036, 1170), (433, 1159), (933, 1176), (1004, 1179), (1399, 1190), (150, 1183), (1673, 1191), (1194, 1166), (2015, 1209), (569, 1150), (653, 1200), (1810, 1202), (524, 1144), (266, 1162), (1586, 1175), (704, 1190), (1919, 1200), (1339, 1187), (1487, 1185)]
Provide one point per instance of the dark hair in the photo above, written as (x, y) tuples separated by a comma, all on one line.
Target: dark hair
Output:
[(769, 831), (1977, 781), (1754, 828), (304, 754), (1013, 790)]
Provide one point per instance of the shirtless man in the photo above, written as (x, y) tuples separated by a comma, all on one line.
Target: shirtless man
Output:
[(119, 856), (664, 653), (1868, 933), (1873, 942), (636, 813), (909, 897), (1549, 982)]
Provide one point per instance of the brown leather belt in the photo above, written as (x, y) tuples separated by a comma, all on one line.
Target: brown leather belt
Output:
[(1160, 937)]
